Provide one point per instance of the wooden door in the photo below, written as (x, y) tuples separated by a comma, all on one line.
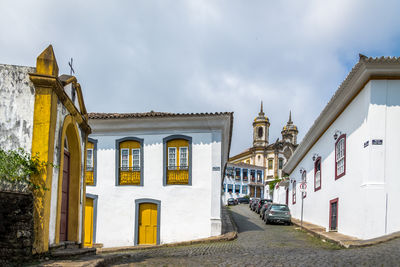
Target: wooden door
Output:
[(89, 222), (252, 191), (147, 224), (333, 218), (64, 199)]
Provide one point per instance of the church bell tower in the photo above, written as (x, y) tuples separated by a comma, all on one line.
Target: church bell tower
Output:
[(261, 129), (289, 131)]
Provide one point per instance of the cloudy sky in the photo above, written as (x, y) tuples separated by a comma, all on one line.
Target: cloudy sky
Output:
[(204, 56)]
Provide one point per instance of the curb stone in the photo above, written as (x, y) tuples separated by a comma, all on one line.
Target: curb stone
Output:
[(343, 240)]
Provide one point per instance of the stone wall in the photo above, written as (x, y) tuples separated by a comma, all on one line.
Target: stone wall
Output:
[(16, 227)]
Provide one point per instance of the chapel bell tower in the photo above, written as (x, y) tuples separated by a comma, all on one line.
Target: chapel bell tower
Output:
[(261, 129)]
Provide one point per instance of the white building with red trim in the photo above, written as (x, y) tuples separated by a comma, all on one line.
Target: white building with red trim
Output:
[(350, 156)]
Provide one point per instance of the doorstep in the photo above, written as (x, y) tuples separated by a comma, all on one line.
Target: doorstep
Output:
[(341, 239)]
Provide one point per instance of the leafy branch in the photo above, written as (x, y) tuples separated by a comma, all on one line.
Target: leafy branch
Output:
[(18, 166)]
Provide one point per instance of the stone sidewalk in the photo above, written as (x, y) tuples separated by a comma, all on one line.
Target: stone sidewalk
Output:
[(107, 256), (340, 239)]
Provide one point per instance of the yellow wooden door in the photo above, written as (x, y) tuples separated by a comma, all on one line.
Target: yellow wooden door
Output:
[(147, 224), (89, 222)]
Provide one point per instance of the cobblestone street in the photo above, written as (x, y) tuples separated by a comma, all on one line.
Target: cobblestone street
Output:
[(266, 245)]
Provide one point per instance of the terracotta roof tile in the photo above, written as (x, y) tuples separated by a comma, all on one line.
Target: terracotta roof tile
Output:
[(102, 116)]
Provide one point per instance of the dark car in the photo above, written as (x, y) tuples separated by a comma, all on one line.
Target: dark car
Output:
[(231, 201), (260, 204), (243, 200), (250, 202), (278, 213), (254, 204), (264, 207)]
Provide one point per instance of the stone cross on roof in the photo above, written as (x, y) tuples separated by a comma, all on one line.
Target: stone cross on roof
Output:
[(70, 65)]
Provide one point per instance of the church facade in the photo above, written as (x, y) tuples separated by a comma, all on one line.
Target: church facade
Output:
[(270, 156), (46, 116)]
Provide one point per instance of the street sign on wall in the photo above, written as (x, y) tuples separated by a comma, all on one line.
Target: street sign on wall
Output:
[(303, 187)]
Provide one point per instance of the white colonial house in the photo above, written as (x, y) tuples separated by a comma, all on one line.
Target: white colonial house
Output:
[(350, 156), (238, 179), (155, 178)]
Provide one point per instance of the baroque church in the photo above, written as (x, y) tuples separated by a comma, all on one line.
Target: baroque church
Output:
[(271, 156)]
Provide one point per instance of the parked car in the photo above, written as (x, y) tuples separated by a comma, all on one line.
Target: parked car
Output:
[(231, 201), (260, 204), (254, 204), (264, 207), (278, 213), (251, 201), (243, 200), (236, 201)]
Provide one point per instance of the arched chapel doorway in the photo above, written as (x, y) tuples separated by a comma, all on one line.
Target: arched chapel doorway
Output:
[(67, 226)]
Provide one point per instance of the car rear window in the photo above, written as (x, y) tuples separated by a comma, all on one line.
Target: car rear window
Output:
[(279, 208)]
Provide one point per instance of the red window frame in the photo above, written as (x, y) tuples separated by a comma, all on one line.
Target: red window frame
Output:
[(304, 178), (330, 212), (343, 136), (320, 173), (294, 193)]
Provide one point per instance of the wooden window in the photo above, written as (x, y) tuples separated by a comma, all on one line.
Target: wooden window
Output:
[(90, 172), (136, 159), (89, 159), (304, 179), (172, 158), (294, 192), (245, 175), (317, 174), (270, 163), (244, 189), (237, 188), (230, 188), (178, 156), (229, 172), (124, 159), (253, 175), (280, 164), (183, 157), (130, 161), (340, 156), (237, 173), (259, 176)]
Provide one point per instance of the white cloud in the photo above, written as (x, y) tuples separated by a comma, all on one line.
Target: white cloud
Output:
[(194, 56)]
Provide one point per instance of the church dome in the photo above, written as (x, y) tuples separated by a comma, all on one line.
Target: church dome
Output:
[(289, 125), (261, 116)]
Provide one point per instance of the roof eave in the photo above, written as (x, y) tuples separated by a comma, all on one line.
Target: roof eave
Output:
[(364, 71)]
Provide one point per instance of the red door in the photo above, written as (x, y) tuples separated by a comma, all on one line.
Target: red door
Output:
[(64, 199)]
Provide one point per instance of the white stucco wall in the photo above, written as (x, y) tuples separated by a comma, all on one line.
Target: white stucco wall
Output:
[(17, 99), (371, 175), (187, 212)]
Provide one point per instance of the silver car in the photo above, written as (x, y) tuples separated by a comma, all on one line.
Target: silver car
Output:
[(278, 213)]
